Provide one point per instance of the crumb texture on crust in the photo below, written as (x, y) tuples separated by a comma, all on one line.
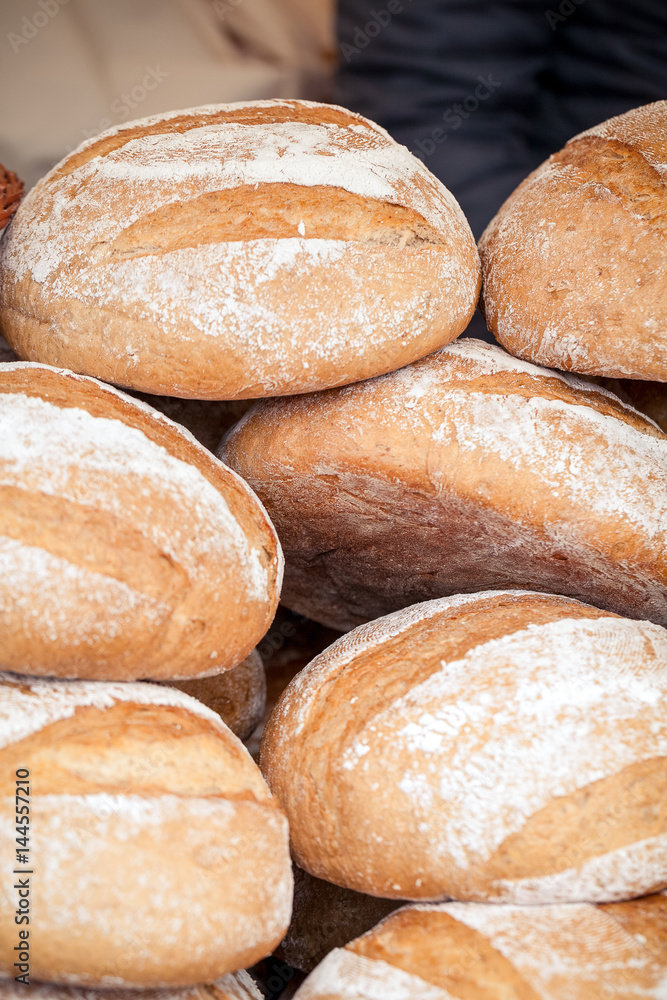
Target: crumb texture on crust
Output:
[(575, 269), (248, 224), (401, 733), (467, 470), (126, 549)]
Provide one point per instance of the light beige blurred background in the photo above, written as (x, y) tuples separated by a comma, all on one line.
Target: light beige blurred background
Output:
[(73, 68)]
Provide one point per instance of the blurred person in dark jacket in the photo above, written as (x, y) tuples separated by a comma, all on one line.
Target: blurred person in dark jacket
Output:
[(483, 92)]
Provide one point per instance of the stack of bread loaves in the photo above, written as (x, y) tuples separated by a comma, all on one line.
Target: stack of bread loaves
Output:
[(488, 742)]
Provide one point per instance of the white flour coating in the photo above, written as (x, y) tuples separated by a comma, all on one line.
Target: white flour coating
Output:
[(66, 452), (103, 603), (154, 168), (491, 359), (539, 730), (573, 942), (571, 702), (251, 310), (602, 464), (632, 870), (230, 155), (114, 847), (160, 418), (303, 687), (347, 976), (30, 704)]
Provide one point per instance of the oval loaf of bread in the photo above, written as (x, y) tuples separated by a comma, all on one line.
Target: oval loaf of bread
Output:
[(506, 746), (468, 951), (237, 251), (126, 549), (575, 261), (468, 470), (159, 856)]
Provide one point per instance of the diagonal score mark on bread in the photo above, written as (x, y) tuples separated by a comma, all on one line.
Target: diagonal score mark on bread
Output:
[(271, 114), (623, 171), (273, 211), (137, 749), (446, 953)]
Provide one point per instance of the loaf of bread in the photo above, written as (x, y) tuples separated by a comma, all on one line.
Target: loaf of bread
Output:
[(575, 264), (157, 855), (126, 549), (468, 470), (467, 951), (237, 251), (237, 695), (326, 916), (236, 986), (506, 746)]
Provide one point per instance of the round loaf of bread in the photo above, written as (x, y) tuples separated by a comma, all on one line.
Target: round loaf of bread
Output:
[(508, 746), (126, 549), (466, 471), (467, 951), (235, 986), (238, 695), (575, 261), (157, 855), (237, 251)]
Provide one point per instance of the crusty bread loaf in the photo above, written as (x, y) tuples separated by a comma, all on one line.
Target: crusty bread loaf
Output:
[(235, 986), (126, 549), (237, 251), (506, 746), (326, 916), (158, 855), (467, 951), (575, 263), (237, 695), (468, 470)]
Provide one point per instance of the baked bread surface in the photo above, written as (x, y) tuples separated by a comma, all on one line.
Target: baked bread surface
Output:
[(237, 251), (465, 471), (506, 746), (126, 549), (159, 856), (467, 951), (575, 261)]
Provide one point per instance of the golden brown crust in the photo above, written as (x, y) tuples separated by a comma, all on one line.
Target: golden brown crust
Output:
[(574, 261), (445, 952), (90, 529), (236, 253), (390, 738), (465, 471), (144, 808)]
